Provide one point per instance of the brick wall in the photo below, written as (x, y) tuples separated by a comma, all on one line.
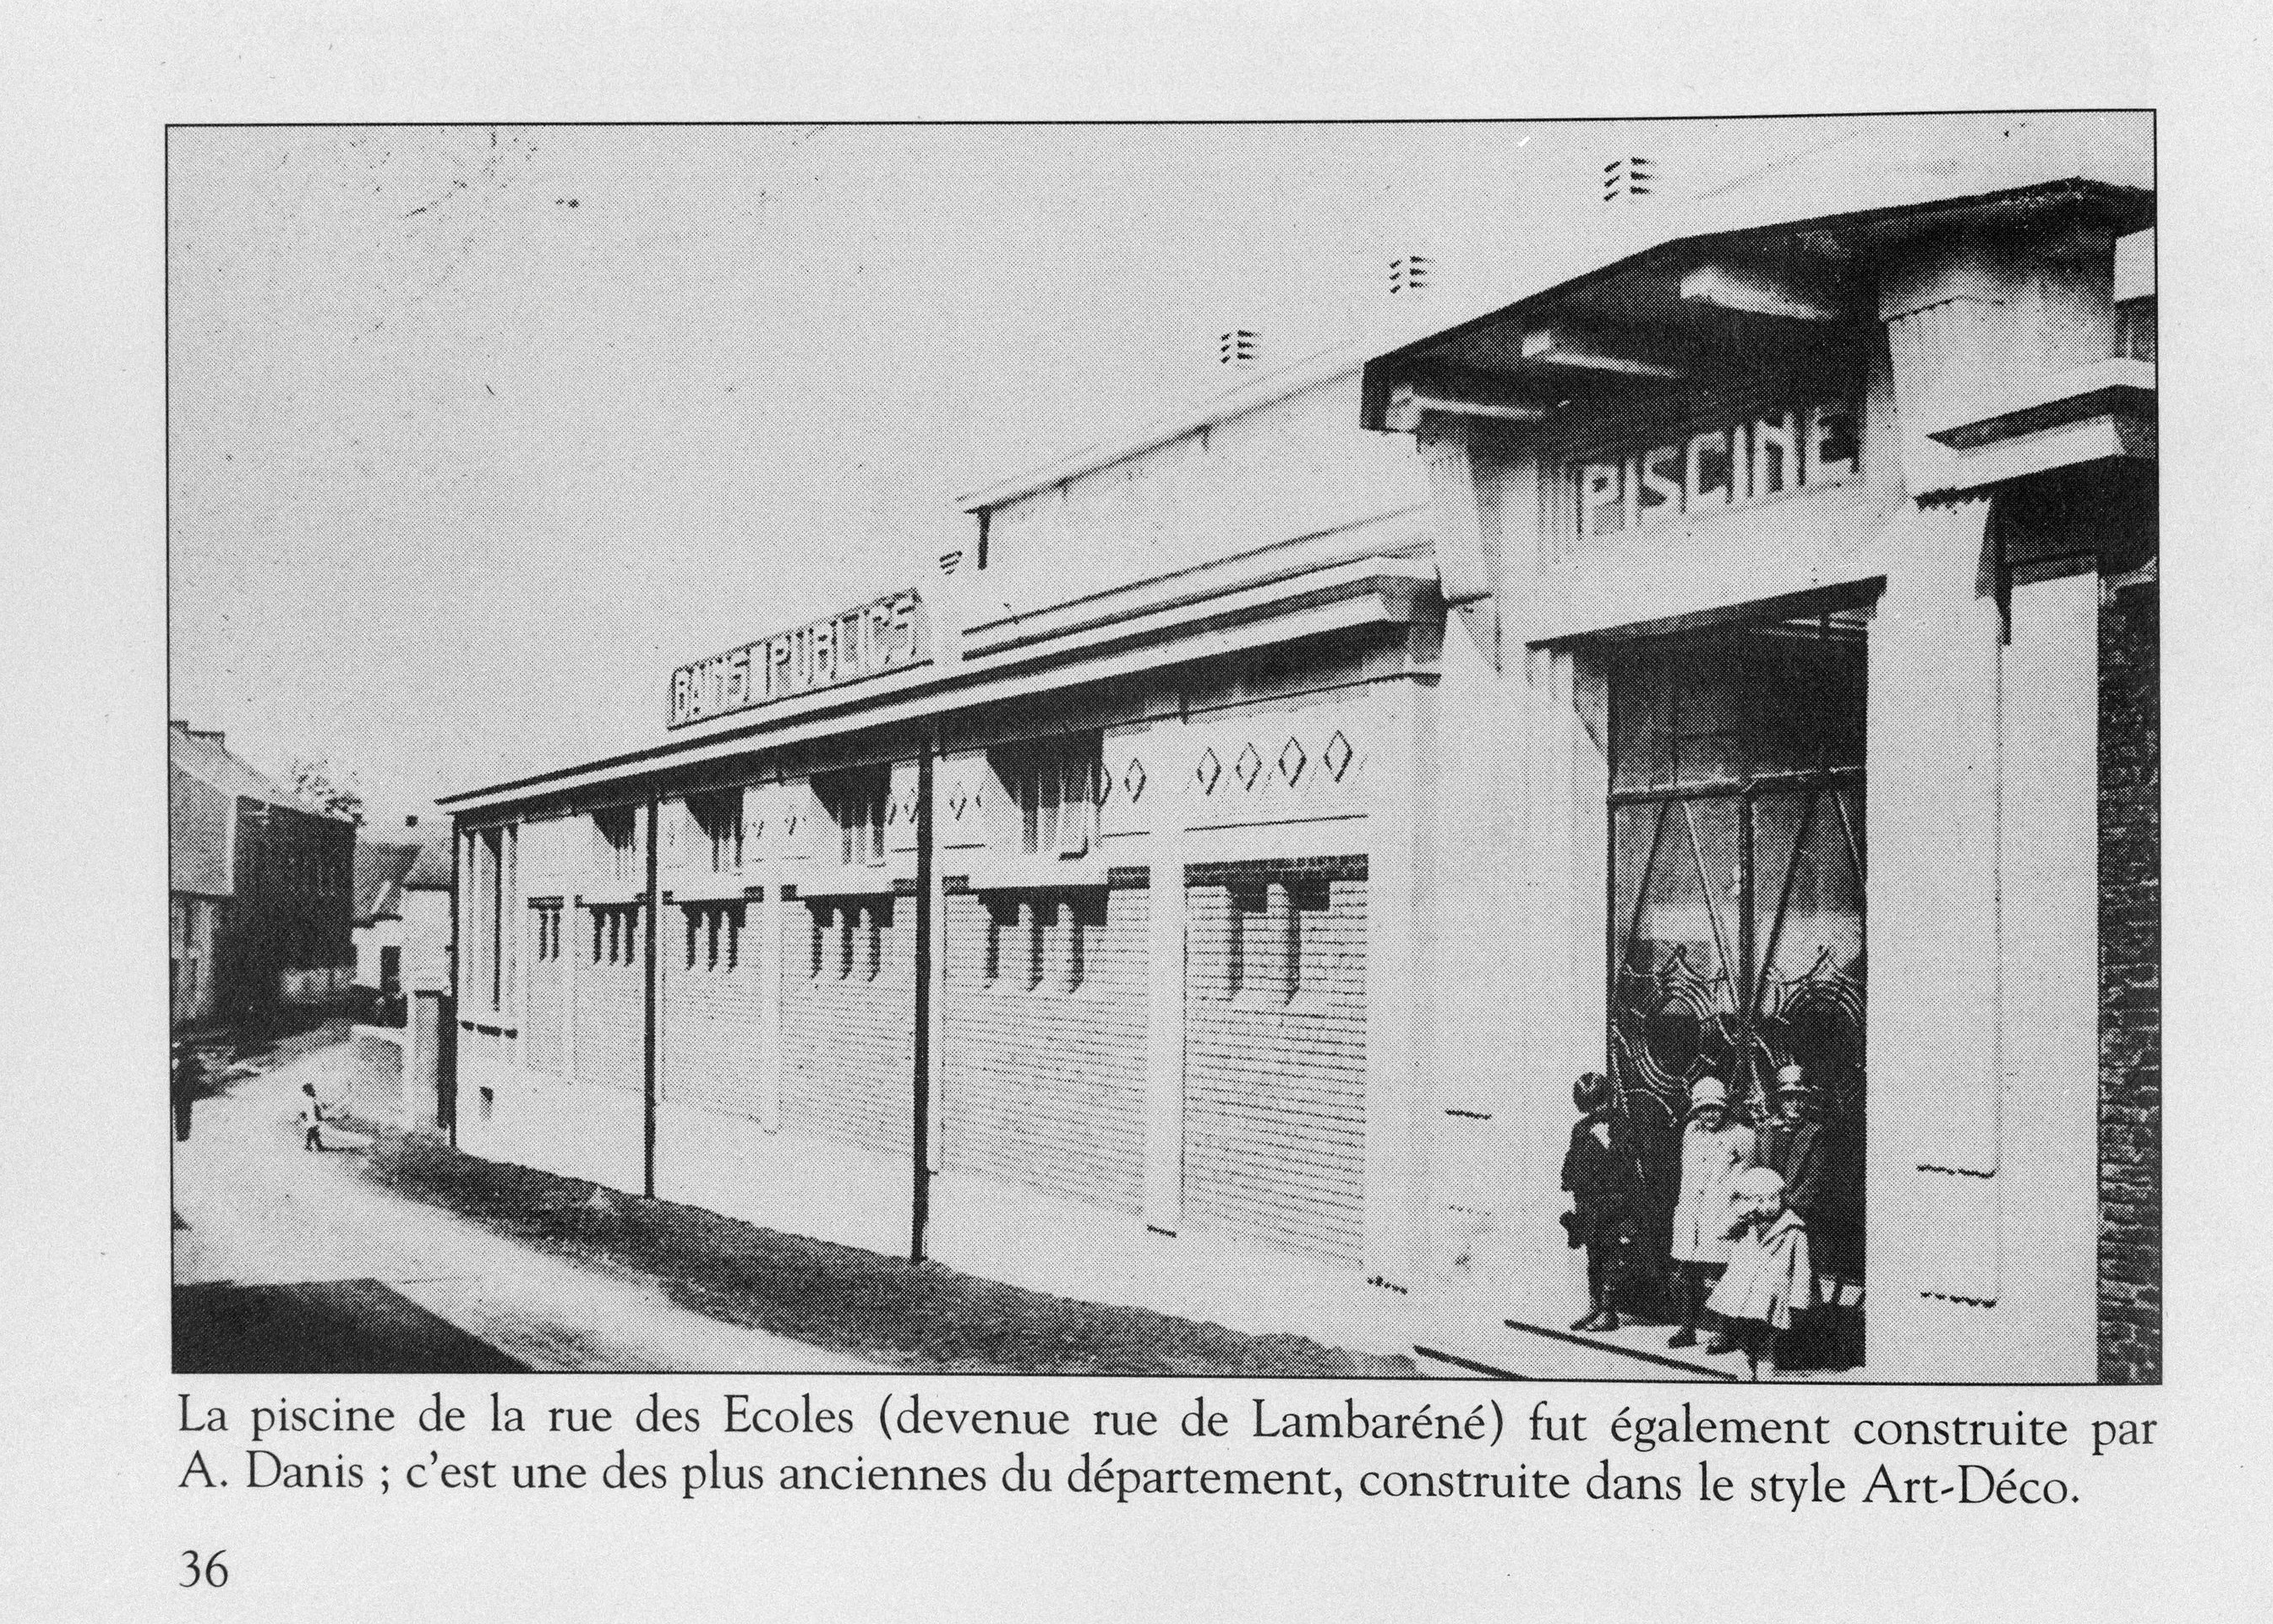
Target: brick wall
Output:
[(712, 1006), (543, 1028), (2130, 987), (1044, 1084), (848, 1053), (610, 1001), (1274, 1053)]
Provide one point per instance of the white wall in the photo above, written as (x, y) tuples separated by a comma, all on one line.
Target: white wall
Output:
[(1290, 468)]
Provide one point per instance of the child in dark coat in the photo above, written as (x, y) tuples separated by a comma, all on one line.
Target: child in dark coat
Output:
[(1604, 1181)]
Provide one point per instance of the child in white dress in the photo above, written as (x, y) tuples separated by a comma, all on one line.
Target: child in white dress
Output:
[(1714, 1148), (1770, 1279)]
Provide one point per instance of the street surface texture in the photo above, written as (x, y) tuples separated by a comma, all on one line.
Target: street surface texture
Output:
[(290, 1260), (556, 1273)]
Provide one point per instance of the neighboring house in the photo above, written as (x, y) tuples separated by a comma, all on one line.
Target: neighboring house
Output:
[(260, 887), (381, 868), (426, 917), (199, 890), (1286, 804)]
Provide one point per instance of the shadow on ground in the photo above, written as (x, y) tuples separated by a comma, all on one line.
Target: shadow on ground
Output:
[(359, 1326), (882, 1309)]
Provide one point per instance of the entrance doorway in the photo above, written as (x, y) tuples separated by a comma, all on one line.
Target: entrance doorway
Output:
[(1739, 851)]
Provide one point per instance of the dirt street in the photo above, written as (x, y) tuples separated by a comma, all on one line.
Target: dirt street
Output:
[(286, 1259)]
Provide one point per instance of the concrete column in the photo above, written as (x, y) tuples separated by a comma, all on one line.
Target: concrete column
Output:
[(575, 944), (517, 928), (1166, 754), (1562, 857), (413, 1047), (770, 957), (462, 881), (1936, 658), (936, 1005), (1402, 768)]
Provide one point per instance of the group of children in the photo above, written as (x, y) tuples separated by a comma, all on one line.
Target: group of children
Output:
[(1739, 1245)]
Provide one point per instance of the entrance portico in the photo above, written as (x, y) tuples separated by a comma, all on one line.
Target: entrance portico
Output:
[(1731, 530)]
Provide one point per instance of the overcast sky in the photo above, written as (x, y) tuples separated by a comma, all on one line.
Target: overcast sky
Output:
[(475, 433)]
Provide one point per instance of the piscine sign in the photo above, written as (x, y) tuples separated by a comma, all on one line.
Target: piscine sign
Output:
[(1762, 456), (883, 636)]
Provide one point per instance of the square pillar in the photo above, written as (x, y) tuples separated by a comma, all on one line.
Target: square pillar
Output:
[(1398, 972), (1936, 1072), (1170, 772)]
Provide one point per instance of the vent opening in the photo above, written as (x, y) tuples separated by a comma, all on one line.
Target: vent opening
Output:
[(1240, 348), (1411, 275), (1629, 179)]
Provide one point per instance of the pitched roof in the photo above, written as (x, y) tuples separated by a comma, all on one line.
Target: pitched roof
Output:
[(378, 873), (202, 756), (197, 846), (433, 868)]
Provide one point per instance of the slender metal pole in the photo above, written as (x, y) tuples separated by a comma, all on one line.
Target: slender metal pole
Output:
[(1747, 973), (654, 968), (920, 1195)]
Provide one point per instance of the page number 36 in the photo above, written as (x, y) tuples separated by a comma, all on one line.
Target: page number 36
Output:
[(206, 1570)]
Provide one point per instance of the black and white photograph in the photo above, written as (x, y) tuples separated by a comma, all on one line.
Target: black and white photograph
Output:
[(988, 811), (1475, 748)]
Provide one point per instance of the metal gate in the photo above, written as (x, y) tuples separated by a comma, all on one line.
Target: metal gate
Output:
[(1737, 863)]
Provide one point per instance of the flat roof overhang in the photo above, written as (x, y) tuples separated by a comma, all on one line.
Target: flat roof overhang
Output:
[(1704, 311), (1107, 639)]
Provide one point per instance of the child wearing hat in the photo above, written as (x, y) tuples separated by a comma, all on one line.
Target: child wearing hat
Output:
[(1604, 1181), (1770, 1279), (1714, 1148), (1793, 1143)]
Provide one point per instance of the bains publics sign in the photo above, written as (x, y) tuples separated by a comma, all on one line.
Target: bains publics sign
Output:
[(1728, 464), (886, 635)]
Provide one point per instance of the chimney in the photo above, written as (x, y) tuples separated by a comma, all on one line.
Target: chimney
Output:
[(410, 821), (1240, 348)]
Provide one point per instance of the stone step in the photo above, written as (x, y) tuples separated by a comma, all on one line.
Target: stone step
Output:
[(1523, 1350)]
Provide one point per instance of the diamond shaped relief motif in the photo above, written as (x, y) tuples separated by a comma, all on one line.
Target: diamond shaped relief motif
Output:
[(1133, 781), (957, 801), (1248, 766), (1292, 760), (1208, 771), (1338, 756)]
